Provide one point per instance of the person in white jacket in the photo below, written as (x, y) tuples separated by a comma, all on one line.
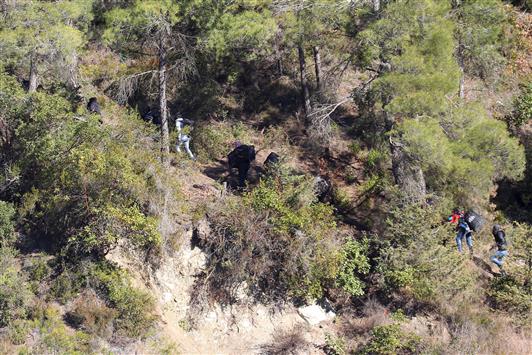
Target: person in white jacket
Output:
[(183, 139)]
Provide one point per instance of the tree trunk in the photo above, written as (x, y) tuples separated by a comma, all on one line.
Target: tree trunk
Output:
[(32, 85), (376, 5), (317, 66), (165, 140), (460, 56), (304, 84), (408, 175), (406, 172)]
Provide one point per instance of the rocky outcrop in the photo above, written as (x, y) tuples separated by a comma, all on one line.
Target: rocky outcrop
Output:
[(315, 314)]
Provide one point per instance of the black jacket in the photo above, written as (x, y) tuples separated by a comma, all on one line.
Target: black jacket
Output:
[(241, 156), (500, 240)]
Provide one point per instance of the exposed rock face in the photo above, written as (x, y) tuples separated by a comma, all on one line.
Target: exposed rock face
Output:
[(240, 328), (315, 314), (201, 231)]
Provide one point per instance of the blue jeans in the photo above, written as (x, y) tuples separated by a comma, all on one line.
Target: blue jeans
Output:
[(498, 258), (460, 236)]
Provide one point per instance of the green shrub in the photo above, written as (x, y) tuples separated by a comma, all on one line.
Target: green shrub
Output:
[(391, 340), (415, 263), (92, 315), (355, 148), (399, 316), (508, 294), (513, 293), (134, 307), (185, 325), (375, 160), (522, 107), (39, 270), (122, 307), (7, 232), (57, 338), (14, 293), (277, 239), (354, 262), (66, 286), (213, 141), (335, 345), (18, 331), (373, 184), (111, 224), (83, 187), (164, 347), (341, 200)]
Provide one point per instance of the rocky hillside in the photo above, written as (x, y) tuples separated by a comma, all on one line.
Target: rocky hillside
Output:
[(141, 210)]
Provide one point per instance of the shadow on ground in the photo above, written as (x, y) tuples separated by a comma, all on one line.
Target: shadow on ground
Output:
[(482, 264)]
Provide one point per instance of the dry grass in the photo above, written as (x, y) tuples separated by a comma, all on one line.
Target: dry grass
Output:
[(494, 336), (92, 315), (286, 342)]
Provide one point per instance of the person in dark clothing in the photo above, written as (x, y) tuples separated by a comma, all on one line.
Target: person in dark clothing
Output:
[(240, 158), (93, 106), (152, 116), (501, 246)]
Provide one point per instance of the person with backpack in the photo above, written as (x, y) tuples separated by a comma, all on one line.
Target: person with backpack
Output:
[(464, 230), (455, 216), (501, 246), (240, 158)]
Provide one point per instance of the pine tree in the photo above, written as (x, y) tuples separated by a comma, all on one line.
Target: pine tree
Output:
[(151, 28), (479, 35), (44, 37), (308, 24), (447, 147)]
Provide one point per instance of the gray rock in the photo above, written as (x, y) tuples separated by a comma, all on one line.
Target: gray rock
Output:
[(315, 314)]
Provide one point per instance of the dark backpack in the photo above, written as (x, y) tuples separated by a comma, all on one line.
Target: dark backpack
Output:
[(273, 158), (93, 106), (474, 220)]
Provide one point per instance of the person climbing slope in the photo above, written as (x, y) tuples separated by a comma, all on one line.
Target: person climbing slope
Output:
[(464, 230), (183, 139), (501, 246), (455, 216), (241, 158)]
